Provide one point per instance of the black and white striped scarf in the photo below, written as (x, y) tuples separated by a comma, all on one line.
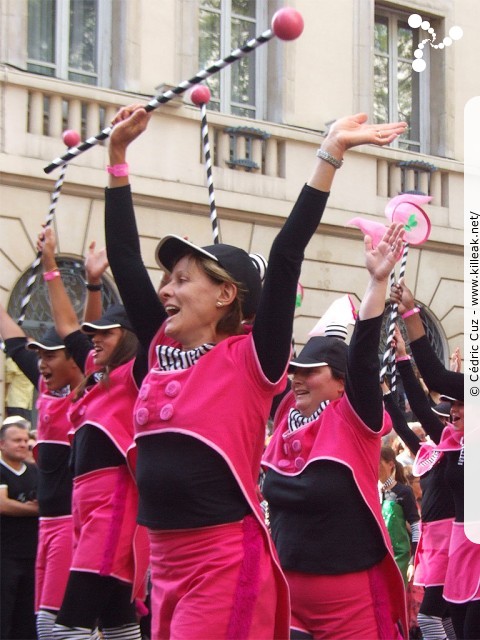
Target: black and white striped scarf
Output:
[(61, 393), (171, 358), (297, 420)]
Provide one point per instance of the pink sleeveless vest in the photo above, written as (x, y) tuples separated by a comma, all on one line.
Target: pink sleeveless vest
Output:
[(339, 434), (109, 407), (53, 424)]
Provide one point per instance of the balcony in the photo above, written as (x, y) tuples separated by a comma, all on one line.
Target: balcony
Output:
[(257, 170)]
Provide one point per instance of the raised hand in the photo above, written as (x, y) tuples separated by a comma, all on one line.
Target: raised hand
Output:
[(352, 131), (380, 260), (456, 361), (128, 124), (96, 262), (47, 244), (399, 343), (401, 295)]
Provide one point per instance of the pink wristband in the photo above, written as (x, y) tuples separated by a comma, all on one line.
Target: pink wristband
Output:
[(51, 275), (402, 358), (118, 170), (411, 312)]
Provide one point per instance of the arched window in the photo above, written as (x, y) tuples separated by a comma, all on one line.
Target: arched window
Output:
[(38, 317), (433, 331), (435, 336)]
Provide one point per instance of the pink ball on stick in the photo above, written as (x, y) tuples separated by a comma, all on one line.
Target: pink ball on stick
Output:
[(287, 24), (71, 138), (200, 95)]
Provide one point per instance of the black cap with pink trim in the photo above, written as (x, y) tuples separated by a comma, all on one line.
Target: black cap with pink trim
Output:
[(235, 261)]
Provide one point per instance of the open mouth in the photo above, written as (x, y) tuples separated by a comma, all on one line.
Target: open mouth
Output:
[(171, 310), (300, 392)]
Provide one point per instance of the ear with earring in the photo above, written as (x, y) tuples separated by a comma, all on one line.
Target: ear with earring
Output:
[(219, 304)]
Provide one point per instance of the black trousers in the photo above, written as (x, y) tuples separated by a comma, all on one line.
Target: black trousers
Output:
[(17, 599)]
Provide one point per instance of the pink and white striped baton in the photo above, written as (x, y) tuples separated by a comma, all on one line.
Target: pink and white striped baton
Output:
[(287, 24)]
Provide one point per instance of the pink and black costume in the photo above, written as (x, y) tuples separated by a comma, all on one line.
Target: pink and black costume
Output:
[(326, 520), (438, 509), (52, 454), (110, 550), (462, 580), (200, 435)]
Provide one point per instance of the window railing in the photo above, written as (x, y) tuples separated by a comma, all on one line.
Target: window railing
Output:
[(50, 106)]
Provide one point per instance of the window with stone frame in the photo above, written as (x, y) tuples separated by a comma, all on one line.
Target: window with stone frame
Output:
[(70, 39), (38, 317), (225, 25), (400, 93)]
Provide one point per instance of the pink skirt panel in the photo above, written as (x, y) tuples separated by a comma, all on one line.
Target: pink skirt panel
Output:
[(105, 528), (431, 558), (462, 582), (214, 582), (54, 557), (346, 606)]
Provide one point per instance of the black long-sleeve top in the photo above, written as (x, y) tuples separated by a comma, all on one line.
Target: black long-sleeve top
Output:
[(437, 499), (436, 376), (276, 307), (449, 383), (182, 459), (54, 490), (313, 514)]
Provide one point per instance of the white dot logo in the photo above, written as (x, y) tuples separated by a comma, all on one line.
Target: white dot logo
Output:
[(417, 22)]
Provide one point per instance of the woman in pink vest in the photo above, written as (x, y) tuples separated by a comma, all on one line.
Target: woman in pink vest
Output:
[(462, 579), (106, 570), (321, 479), (201, 414), (53, 371)]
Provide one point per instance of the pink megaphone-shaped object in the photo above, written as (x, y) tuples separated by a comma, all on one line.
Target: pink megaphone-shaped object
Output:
[(375, 230), (406, 209)]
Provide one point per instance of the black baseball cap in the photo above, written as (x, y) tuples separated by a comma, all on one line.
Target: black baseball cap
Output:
[(235, 261), (451, 399), (113, 318), (321, 351), (443, 408), (50, 341)]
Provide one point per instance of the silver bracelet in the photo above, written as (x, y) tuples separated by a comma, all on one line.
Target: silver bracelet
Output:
[(324, 155)]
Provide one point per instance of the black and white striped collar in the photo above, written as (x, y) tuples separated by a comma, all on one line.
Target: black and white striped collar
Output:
[(297, 420), (172, 358)]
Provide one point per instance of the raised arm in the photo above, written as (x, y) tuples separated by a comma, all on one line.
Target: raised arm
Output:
[(64, 315), (8, 327), (399, 420), (436, 376), (141, 302), (96, 264), (15, 341), (363, 368), (417, 399), (273, 326)]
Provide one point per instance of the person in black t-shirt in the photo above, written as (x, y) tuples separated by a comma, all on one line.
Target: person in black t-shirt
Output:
[(19, 528)]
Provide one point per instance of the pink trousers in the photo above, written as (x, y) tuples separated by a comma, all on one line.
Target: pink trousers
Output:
[(213, 582), (54, 557), (347, 606)]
